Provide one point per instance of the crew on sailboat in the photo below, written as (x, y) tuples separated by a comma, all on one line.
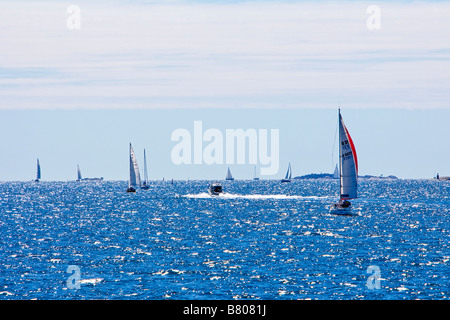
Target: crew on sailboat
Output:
[(343, 204)]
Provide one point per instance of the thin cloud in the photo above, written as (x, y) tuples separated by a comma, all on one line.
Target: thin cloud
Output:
[(216, 55)]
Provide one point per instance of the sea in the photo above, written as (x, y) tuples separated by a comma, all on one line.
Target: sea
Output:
[(259, 240)]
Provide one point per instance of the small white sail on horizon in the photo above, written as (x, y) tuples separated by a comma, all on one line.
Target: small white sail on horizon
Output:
[(336, 172), (145, 182), (288, 176), (135, 177), (38, 171), (79, 178), (229, 176)]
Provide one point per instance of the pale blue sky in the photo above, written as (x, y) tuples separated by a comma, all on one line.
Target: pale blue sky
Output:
[(284, 65), (405, 143)]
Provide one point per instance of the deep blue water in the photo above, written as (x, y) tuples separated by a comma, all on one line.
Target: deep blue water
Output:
[(262, 240)]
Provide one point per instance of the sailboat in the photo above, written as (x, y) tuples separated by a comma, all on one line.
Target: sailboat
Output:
[(38, 173), (288, 174), (255, 178), (135, 178), (348, 168), (79, 178), (336, 172), (229, 176), (145, 182)]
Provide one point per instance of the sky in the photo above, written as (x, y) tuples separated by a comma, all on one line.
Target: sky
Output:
[(78, 84)]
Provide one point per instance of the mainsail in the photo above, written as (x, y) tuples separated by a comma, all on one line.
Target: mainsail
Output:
[(229, 176), (135, 178), (145, 169), (38, 174), (288, 173), (348, 163)]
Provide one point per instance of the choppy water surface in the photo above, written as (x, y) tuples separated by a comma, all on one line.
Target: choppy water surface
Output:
[(261, 240)]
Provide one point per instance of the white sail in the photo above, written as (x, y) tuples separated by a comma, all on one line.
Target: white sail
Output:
[(135, 178), (336, 172), (288, 176), (288, 173), (229, 176), (145, 168), (348, 163), (78, 173)]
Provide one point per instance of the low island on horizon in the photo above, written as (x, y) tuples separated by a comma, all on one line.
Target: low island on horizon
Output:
[(331, 176)]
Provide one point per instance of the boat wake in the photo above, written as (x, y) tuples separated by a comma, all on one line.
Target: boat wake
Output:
[(205, 195)]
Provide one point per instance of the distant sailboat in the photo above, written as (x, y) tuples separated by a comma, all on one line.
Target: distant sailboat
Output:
[(79, 178), (348, 165), (145, 182), (135, 178), (288, 174), (38, 173), (229, 176), (336, 172), (254, 175)]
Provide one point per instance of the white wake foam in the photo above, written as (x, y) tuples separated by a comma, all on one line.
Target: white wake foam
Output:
[(205, 195)]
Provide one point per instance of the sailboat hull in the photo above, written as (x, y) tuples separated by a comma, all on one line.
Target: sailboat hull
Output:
[(131, 189), (342, 211), (342, 208)]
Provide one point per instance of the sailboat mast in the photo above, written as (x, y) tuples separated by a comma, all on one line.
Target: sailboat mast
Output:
[(340, 154)]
